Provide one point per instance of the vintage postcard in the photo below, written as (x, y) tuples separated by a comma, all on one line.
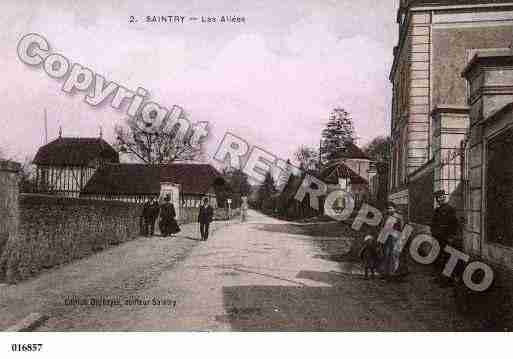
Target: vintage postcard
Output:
[(262, 166)]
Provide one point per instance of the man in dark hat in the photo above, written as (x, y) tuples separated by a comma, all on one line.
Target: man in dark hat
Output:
[(444, 227), (152, 215), (205, 216)]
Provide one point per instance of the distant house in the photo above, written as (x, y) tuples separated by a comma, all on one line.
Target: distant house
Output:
[(65, 165), (354, 158), (339, 175), (138, 182)]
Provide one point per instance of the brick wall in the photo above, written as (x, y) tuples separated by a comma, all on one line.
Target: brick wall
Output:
[(56, 230)]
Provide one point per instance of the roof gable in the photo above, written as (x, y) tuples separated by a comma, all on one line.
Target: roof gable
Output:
[(71, 151), (339, 169), (193, 177)]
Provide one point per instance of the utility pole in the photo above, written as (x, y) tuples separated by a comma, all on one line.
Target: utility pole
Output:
[(46, 128)]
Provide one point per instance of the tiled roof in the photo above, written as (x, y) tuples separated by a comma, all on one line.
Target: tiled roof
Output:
[(338, 169), (142, 179), (123, 179), (70, 151), (194, 177)]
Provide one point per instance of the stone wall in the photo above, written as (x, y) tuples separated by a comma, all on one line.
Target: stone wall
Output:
[(9, 213), (55, 230)]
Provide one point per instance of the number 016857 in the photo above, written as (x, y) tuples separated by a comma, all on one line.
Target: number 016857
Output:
[(26, 347)]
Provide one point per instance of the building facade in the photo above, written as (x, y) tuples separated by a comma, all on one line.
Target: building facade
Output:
[(488, 168), (429, 110)]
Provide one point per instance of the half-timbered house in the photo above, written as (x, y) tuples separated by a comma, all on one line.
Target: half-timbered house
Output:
[(137, 183), (65, 165)]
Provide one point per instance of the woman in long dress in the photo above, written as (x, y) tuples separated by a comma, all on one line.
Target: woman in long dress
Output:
[(392, 248), (168, 224)]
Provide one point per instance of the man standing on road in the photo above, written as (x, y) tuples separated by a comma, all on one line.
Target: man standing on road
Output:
[(444, 227), (145, 217), (153, 214), (205, 216)]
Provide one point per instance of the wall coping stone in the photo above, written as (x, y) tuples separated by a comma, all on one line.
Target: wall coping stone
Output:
[(9, 166), (488, 58), (448, 108), (42, 199)]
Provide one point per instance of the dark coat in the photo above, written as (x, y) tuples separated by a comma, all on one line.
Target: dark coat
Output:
[(154, 210), (369, 253), (168, 224), (167, 211), (151, 210), (444, 223), (146, 210), (206, 214)]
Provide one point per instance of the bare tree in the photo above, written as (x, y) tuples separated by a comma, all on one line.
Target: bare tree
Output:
[(27, 176), (308, 159), (165, 144)]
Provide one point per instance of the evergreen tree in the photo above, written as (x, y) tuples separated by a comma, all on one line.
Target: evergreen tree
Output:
[(266, 191), (338, 133)]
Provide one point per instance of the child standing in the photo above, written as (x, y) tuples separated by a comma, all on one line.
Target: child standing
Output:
[(369, 255)]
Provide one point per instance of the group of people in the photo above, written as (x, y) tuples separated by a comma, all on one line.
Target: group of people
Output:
[(385, 257), (388, 255), (152, 210), (168, 225)]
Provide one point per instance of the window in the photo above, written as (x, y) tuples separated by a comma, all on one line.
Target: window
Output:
[(499, 189)]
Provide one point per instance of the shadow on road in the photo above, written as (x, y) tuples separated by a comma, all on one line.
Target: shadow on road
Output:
[(337, 241), (326, 229), (344, 305), (283, 308)]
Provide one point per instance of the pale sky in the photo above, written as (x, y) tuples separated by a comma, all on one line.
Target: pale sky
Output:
[(271, 80)]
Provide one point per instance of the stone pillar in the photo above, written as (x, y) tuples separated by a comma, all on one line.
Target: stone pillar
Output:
[(9, 205), (490, 81), (450, 124)]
